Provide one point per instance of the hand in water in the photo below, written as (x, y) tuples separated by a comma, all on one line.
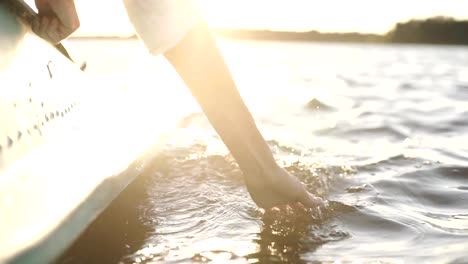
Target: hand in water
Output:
[(213, 87), (56, 21), (279, 188)]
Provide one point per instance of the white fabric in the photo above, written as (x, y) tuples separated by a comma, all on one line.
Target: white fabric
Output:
[(161, 24)]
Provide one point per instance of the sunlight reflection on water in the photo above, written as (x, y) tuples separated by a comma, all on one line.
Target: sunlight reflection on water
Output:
[(379, 130)]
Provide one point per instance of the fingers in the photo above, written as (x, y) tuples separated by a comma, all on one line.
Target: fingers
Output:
[(65, 12), (40, 25), (46, 28), (53, 31), (309, 200), (57, 20), (50, 29)]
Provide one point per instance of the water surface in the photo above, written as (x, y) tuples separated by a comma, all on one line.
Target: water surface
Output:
[(378, 130)]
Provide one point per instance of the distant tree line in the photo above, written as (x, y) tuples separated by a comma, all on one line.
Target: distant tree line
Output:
[(436, 30), (298, 36)]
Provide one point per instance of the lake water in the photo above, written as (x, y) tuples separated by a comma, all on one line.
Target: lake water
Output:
[(381, 131)]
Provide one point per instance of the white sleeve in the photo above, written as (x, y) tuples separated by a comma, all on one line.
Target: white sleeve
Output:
[(161, 24)]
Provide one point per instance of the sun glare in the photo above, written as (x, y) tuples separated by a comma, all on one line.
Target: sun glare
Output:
[(335, 15), (106, 17)]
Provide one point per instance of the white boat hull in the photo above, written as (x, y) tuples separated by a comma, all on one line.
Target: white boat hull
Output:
[(68, 148)]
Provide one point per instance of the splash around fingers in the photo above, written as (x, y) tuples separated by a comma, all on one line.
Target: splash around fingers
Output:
[(311, 201), (295, 213)]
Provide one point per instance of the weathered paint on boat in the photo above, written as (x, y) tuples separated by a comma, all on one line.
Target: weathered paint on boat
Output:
[(67, 147)]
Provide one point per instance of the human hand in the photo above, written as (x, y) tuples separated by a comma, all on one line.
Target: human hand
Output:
[(56, 21), (279, 188)]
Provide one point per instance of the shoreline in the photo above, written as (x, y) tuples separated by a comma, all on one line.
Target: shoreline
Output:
[(431, 31)]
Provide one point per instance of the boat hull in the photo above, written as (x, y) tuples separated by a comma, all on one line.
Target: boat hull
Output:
[(67, 147)]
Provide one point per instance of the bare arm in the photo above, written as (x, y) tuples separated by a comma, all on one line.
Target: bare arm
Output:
[(199, 62)]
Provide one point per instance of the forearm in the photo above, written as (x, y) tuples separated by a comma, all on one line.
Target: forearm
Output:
[(198, 61)]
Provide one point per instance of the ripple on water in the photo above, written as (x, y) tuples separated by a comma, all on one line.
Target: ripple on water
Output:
[(204, 214), (197, 210), (387, 159)]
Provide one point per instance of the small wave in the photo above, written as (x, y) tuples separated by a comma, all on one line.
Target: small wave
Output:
[(393, 161), (363, 133), (357, 189), (408, 86), (350, 82), (317, 105)]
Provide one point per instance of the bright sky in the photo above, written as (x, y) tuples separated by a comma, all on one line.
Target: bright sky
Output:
[(108, 17)]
